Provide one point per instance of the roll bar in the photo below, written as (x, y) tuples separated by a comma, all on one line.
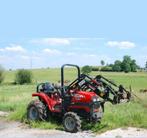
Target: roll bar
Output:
[(62, 75)]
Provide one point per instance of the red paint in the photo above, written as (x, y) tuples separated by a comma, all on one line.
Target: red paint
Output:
[(85, 97), (50, 101), (77, 97)]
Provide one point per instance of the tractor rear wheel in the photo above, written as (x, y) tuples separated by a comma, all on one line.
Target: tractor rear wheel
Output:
[(71, 122), (36, 111)]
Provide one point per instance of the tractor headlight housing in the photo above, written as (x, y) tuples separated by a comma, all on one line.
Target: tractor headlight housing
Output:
[(95, 99)]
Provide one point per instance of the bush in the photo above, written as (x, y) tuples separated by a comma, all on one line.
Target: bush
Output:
[(107, 69), (23, 76), (86, 69), (1, 74), (95, 68)]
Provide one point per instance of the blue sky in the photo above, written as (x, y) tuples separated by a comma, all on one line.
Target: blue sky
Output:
[(50, 33)]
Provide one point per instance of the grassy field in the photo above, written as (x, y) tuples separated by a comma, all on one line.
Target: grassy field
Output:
[(15, 98)]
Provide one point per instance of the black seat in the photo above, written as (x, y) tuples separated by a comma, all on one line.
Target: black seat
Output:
[(48, 88)]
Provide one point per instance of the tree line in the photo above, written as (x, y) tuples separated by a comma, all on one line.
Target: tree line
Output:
[(126, 65)]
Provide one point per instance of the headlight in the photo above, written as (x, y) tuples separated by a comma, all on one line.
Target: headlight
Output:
[(95, 99)]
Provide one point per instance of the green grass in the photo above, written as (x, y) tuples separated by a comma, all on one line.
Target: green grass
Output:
[(15, 98)]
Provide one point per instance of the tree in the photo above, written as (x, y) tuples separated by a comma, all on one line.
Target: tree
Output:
[(117, 66), (86, 69), (23, 76), (1, 74), (126, 64), (127, 68), (102, 62), (133, 66)]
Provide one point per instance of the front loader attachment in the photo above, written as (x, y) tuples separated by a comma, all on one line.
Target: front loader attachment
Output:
[(103, 87), (119, 93)]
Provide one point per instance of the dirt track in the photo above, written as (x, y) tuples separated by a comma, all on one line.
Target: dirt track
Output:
[(18, 130)]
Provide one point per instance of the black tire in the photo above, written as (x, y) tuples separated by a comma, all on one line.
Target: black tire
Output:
[(36, 111), (71, 122)]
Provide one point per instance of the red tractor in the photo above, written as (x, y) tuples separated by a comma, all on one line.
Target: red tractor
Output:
[(72, 105)]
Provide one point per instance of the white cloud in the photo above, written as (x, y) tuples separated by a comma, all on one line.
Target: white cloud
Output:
[(52, 41), (13, 48), (121, 44), (51, 51), (63, 41)]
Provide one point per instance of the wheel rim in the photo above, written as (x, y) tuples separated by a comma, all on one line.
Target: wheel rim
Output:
[(33, 113), (70, 123)]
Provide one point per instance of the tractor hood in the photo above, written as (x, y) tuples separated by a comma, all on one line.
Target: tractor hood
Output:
[(84, 97)]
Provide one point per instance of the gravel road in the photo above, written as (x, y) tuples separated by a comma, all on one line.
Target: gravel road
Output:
[(19, 130)]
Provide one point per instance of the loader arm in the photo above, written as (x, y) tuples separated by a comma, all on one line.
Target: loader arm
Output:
[(112, 92)]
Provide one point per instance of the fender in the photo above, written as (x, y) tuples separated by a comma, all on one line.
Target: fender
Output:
[(44, 97)]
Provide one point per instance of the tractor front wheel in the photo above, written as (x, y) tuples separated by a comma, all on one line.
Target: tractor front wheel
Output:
[(36, 110), (71, 122)]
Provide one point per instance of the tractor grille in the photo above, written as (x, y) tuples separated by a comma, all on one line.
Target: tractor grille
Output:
[(96, 105), (96, 111)]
